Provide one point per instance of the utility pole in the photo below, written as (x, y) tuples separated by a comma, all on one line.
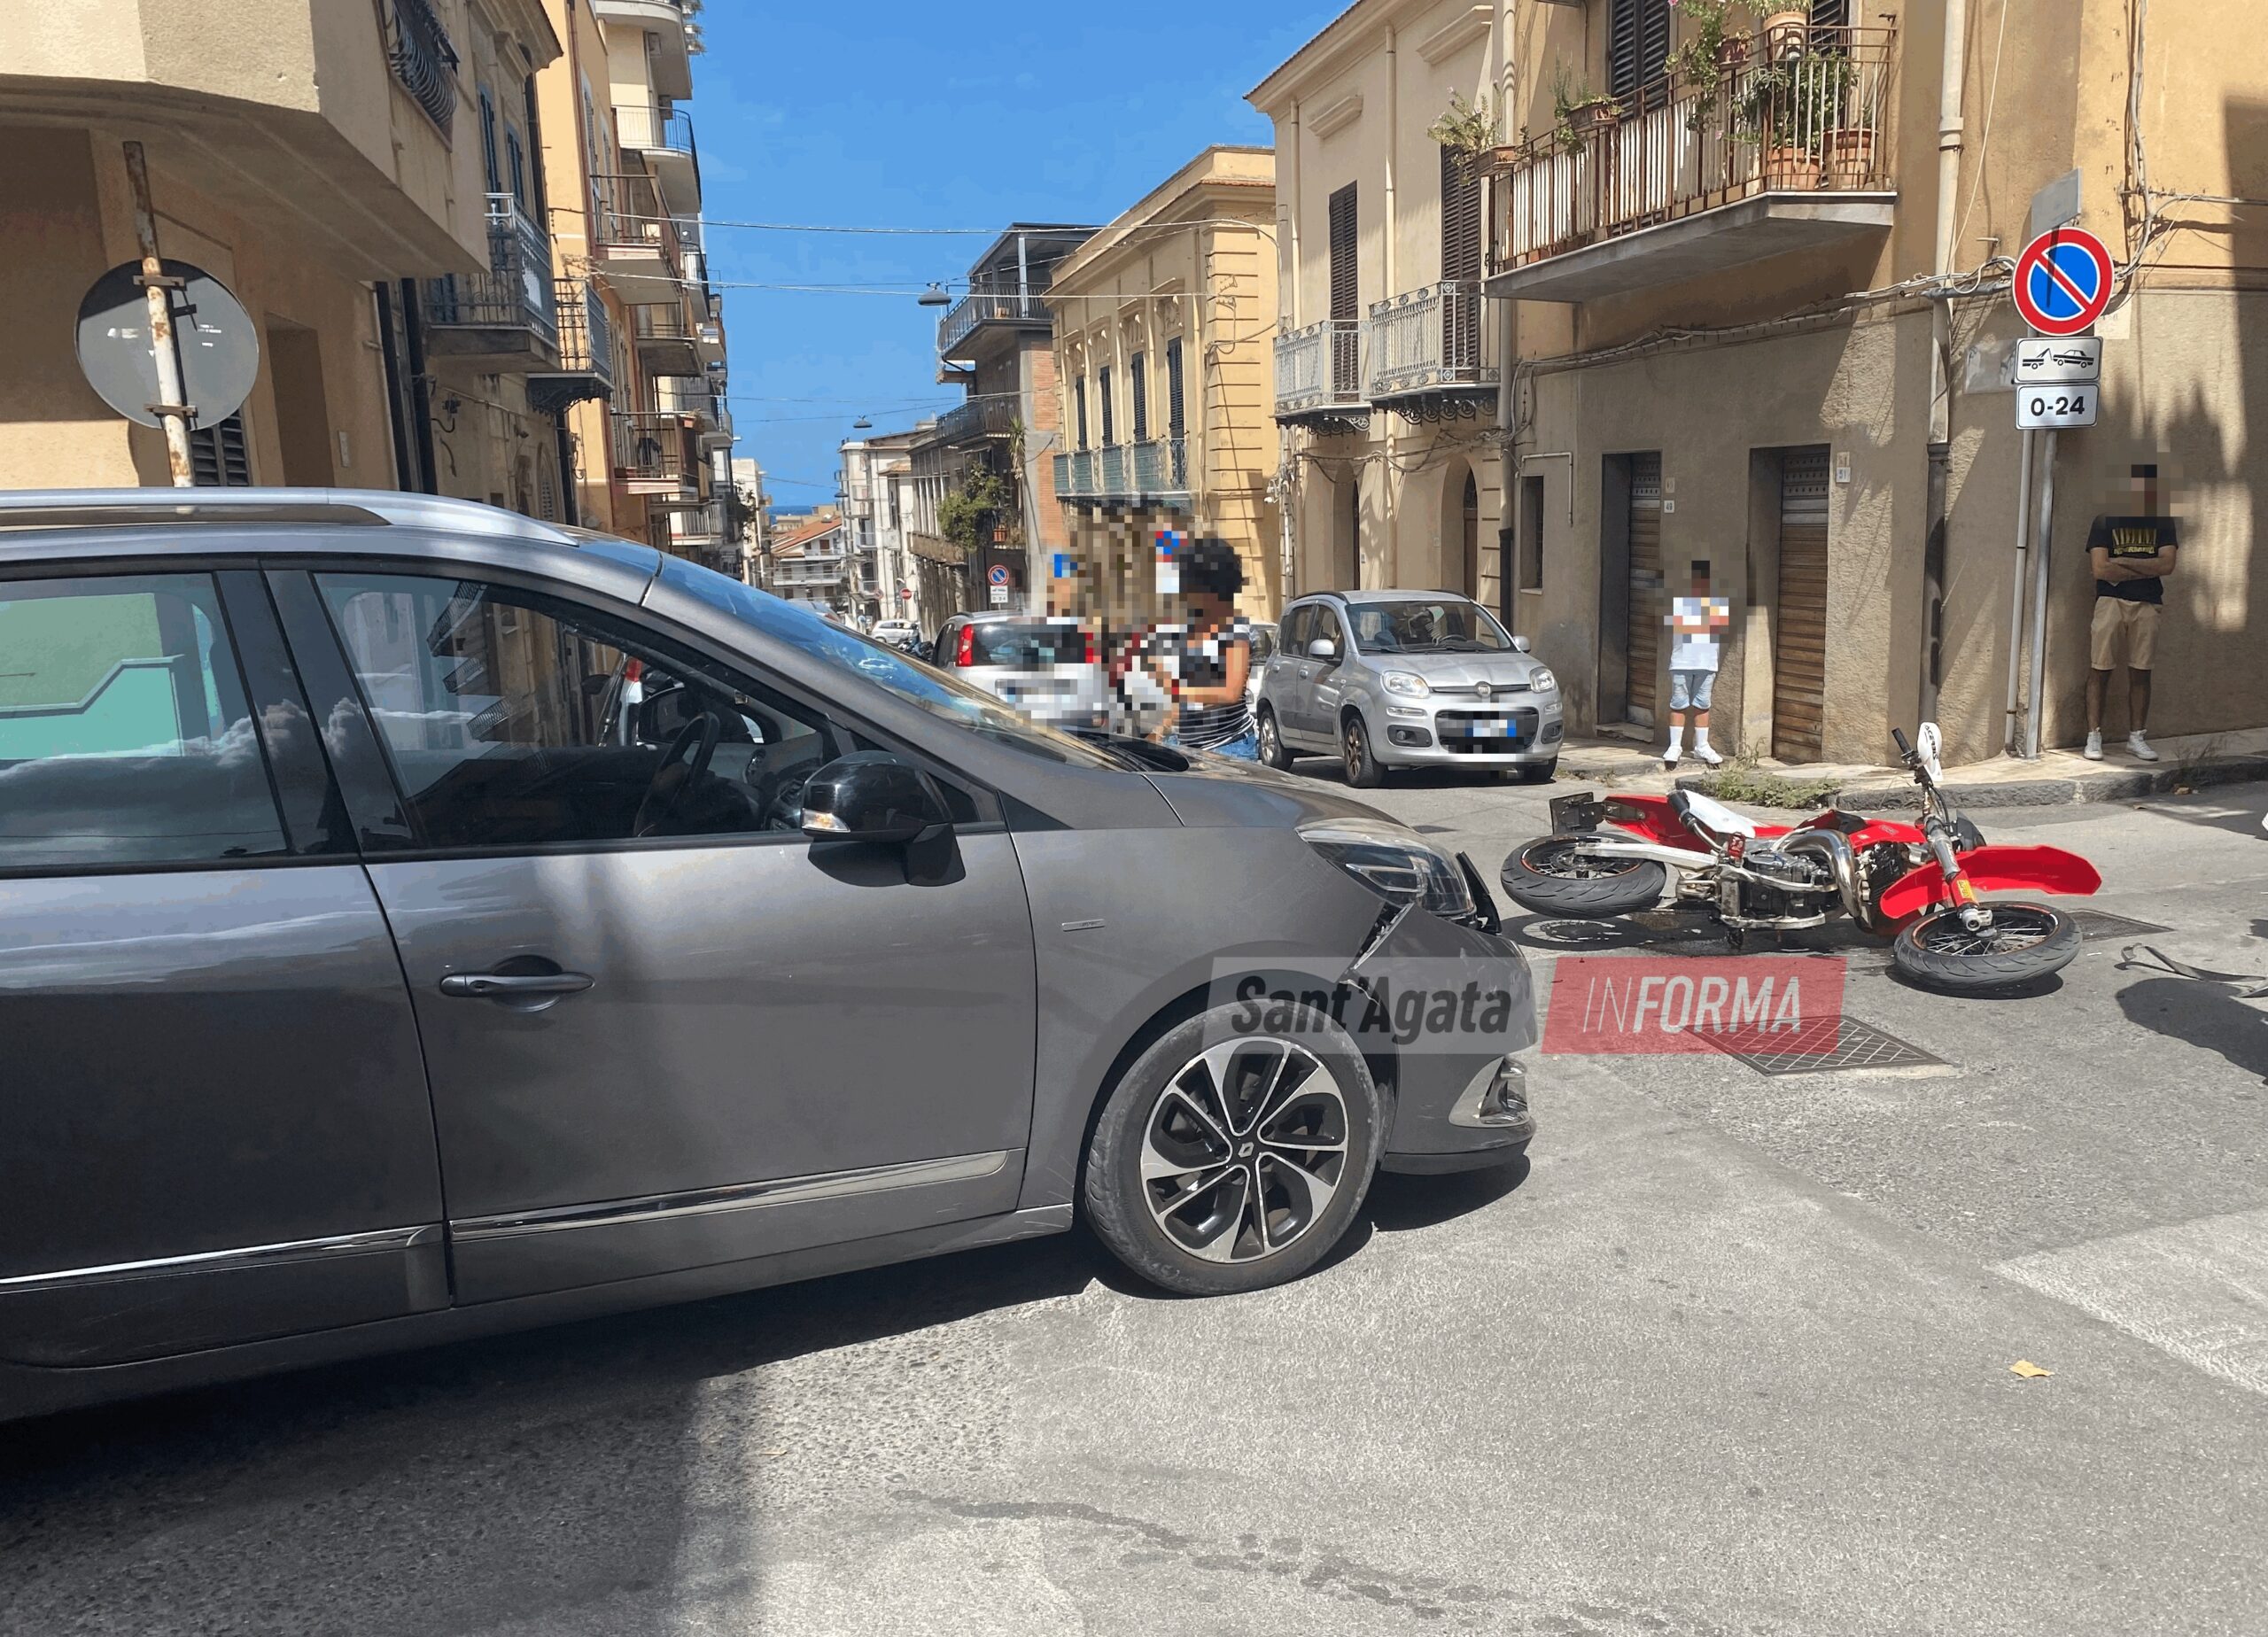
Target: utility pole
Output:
[(171, 412)]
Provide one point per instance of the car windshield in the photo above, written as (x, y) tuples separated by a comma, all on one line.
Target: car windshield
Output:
[(1452, 625), (932, 690)]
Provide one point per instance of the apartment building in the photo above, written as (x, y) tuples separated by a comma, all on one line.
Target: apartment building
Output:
[(1389, 362), (877, 481), (986, 467), (1749, 313), (451, 255), (310, 156), (1162, 326), (811, 563), (750, 514)]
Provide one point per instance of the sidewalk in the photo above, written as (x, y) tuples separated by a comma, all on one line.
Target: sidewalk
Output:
[(2057, 779)]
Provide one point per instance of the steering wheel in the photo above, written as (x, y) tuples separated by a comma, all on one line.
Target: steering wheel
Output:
[(677, 771)]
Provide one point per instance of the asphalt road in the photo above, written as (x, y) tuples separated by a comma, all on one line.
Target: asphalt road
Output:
[(1733, 1356)]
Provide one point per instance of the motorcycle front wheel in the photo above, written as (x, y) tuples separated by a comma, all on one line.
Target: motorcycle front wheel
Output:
[(2024, 941), (1559, 876)]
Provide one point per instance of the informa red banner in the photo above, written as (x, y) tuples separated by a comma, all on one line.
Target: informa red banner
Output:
[(1627, 1005)]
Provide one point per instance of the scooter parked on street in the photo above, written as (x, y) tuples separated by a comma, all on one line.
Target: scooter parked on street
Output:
[(1921, 885)]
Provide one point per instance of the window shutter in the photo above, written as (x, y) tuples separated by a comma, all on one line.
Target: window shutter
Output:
[(1138, 370), (1174, 423), (1460, 219), (1109, 420), (1344, 288), (217, 456), (488, 143), (1830, 13), (1079, 400), (1637, 45)]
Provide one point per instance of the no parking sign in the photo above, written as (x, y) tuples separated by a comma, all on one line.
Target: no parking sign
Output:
[(2063, 282)]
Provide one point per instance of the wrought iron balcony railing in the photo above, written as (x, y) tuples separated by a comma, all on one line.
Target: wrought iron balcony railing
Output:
[(424, 60), (586, 332), (978, 417), (627, 216), (1130, 473), (1320, 368), (1803, 111), (655, 447), (1430, 340), (984, 306), (516, 293)]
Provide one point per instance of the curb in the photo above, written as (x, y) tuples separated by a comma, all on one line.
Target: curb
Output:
[(2120, 784)]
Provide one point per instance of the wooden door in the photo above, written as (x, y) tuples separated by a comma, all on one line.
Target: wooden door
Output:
[(1648, 603), (1799, 613)]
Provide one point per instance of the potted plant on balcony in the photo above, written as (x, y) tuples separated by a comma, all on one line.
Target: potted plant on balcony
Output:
[(1788, 109), (1708, 55), (1470, 131), (1785, 31), (1577, 111)]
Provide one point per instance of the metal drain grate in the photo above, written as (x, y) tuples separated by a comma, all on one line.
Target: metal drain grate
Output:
[(2103, 924), (1836, 1044)]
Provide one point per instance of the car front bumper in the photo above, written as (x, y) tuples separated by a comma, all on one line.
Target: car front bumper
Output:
[(1432, 733)]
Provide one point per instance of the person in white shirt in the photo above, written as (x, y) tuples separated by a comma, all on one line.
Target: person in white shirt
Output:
[(1694, 622)]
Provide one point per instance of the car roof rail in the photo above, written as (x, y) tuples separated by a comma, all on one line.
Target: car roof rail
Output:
[(80, 508)]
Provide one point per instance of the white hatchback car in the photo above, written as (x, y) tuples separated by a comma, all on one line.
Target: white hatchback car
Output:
[(898, 634)]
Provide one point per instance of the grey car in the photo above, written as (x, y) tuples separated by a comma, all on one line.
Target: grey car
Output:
[(1406, 679), (421, 922)]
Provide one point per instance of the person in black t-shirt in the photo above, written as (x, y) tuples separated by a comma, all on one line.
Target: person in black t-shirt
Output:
[(2130, 556), (1205, 663)]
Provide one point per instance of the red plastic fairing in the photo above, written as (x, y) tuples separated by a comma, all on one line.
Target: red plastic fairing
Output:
[(1652, 817), (1879, 830), (1995, 869)]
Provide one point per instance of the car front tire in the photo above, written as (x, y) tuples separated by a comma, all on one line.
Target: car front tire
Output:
[(1230, 1160)]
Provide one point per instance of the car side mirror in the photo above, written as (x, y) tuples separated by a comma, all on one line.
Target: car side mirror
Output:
[(1322, 647), (1522, 645), (871, 795)]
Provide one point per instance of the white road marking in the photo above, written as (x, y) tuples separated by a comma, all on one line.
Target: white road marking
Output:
[(2197, 1290)]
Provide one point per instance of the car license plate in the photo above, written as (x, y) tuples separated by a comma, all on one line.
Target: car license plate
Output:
[(1489, 727)]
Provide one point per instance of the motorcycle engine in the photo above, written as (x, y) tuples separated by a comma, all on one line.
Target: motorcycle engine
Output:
[(1793, 892)]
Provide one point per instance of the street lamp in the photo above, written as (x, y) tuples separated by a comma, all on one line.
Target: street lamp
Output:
[(862, 425), (933, 297)]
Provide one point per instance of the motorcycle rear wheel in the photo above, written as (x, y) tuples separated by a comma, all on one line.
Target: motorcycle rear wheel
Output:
[(1552, 874), (2025, 942)]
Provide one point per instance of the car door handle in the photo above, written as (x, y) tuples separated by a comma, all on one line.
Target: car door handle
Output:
[(515, 985)]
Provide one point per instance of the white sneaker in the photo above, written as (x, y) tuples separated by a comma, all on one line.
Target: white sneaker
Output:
[(1670, 756), (1708, 755), (2094, 752), (2138, 747)]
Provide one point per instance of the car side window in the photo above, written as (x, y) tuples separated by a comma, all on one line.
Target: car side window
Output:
[(126, 736), (1293, 634), (514, 720), (1328, 628)]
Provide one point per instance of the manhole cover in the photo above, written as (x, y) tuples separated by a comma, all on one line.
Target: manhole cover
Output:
[(2103, 924), (1834, 1043)]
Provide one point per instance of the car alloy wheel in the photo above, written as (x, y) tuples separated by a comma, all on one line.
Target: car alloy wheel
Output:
[(1244, 1149)]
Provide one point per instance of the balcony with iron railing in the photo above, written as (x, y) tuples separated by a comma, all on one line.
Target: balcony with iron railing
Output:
[(981, 307), (631, 231), (669, 43), (666, 338), (1319, 373), (1153, 471), (977, 419), (1787, 147), (654, 453), (423, 59), (1427, 349), (505, 320), (586, 368), (664, 137)]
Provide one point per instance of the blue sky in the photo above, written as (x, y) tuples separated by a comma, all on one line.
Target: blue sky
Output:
[(929, 115)]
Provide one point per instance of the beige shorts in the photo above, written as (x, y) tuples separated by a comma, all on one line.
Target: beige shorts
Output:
[(2137, 621)]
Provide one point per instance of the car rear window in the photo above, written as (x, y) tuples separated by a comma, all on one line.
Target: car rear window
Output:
[(1027, 643)]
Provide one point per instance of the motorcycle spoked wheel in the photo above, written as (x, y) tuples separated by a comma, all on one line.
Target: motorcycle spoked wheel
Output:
[(2025, 942), (1552, 874)]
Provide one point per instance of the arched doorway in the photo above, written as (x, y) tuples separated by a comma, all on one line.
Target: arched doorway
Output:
[(1470, 516), (1460, 531)]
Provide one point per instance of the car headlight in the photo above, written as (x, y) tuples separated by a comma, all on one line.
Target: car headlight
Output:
[(1398, 865), (1541, 679), (1409, 684)]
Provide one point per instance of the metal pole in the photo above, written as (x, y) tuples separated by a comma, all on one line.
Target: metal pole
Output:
[(2010, 739), (172, 414), (2040, 601)]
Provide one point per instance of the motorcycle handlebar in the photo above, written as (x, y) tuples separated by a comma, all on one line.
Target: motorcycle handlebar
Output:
[(1897, 737)]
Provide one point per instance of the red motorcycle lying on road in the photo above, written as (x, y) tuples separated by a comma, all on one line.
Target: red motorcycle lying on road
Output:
[(1918, 884)]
